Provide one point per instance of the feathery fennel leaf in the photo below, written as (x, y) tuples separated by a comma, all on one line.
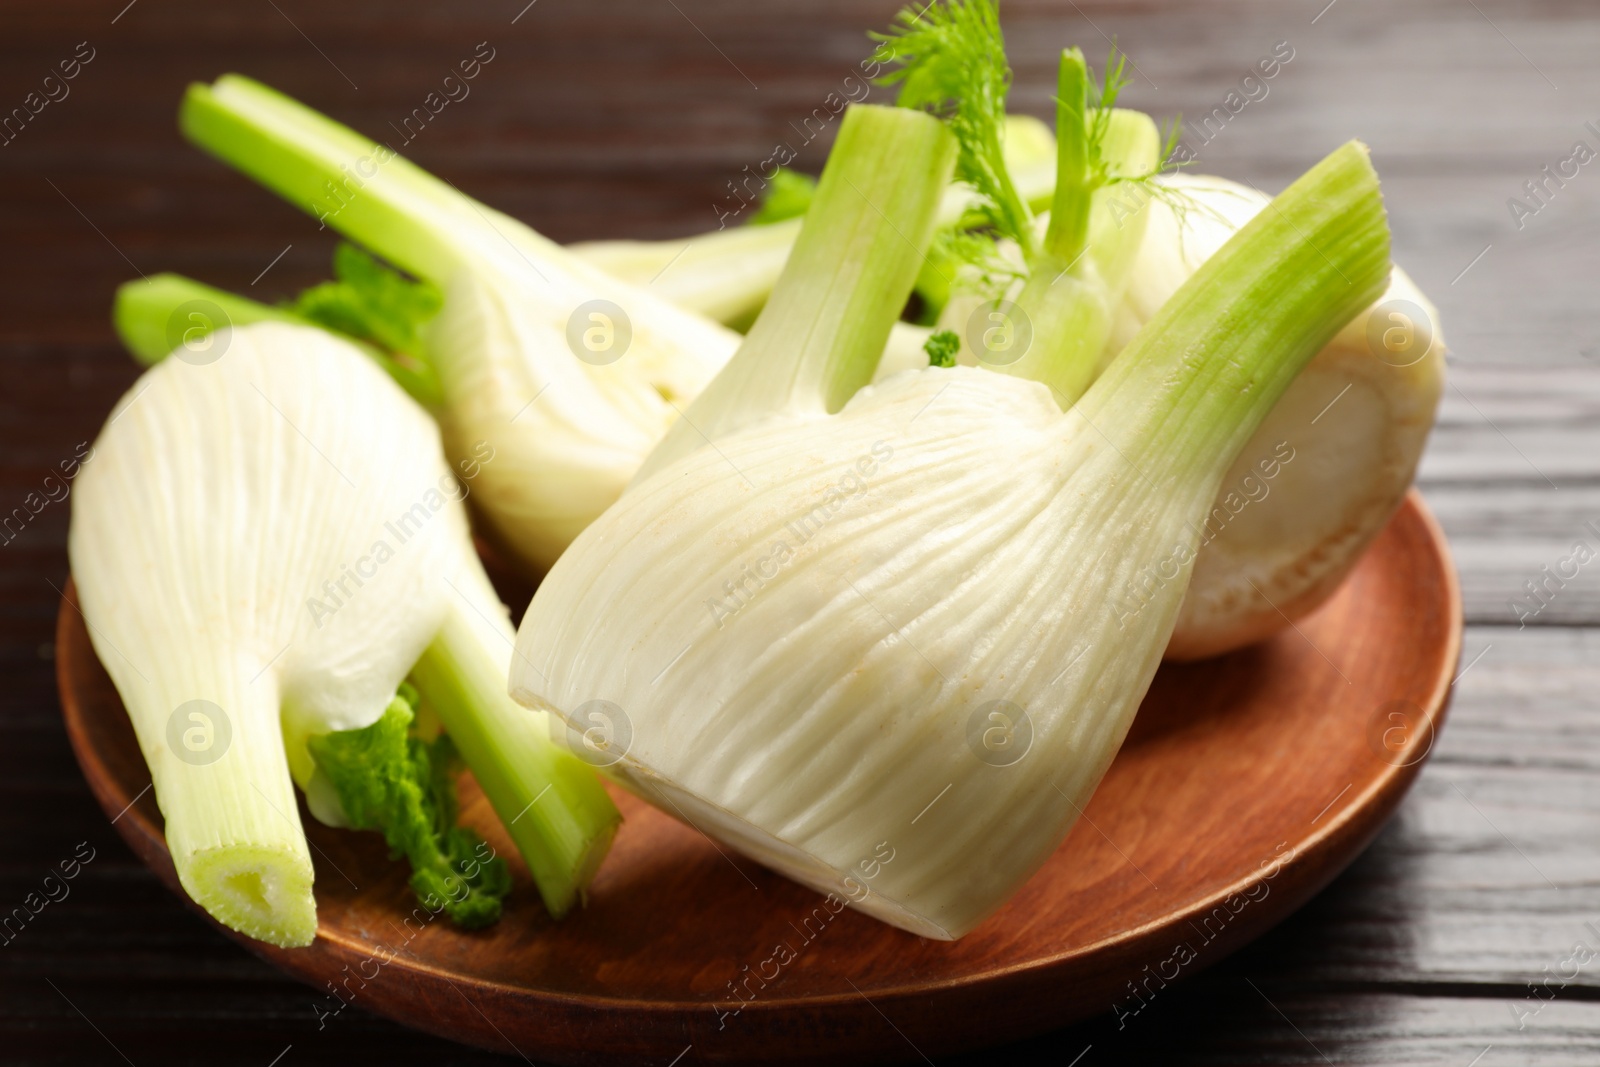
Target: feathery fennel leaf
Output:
[(942, 347), (951, 61), (370, 302), (390, 780), (788, 196)]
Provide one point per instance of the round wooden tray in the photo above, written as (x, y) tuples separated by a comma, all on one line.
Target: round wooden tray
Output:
[(1246, 784)]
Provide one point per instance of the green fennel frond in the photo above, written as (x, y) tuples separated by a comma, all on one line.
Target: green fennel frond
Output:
[(788, 196), (951, 62), (390, 780), (1103, 98), (1142, 187), (942, 347), (975, 262), (371, 302), (1103, 95)]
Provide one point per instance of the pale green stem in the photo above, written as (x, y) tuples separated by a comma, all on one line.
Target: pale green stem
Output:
[(725, 274), (550, 802), (155, 316), (359, 187), (1066, 304), (820, 336), (1186, 394), (1069, 205)]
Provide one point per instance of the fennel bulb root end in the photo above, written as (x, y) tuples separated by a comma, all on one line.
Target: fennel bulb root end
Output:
[(1325, 470)]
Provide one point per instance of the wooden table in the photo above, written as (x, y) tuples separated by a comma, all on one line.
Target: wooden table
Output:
[(628, 118)]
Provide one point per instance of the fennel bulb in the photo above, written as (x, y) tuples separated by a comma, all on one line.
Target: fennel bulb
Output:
[(267, 543), (892, 621), (570, 375)]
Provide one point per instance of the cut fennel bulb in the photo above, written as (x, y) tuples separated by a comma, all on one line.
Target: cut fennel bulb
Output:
[(268, 541), (898, 622), (1329, 465), (569, 374)]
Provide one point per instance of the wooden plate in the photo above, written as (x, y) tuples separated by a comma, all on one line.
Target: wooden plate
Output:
[(1246, 784)]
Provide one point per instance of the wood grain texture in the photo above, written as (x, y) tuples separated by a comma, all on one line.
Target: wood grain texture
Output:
[(1196, 842), (624, 118)]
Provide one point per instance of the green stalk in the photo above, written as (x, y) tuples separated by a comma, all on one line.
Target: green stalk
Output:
[(820, 336), (1078, 276), (550, 802), (363, 189), (1183, 398), (153, 317), (728, 274), (1069, 205), (725, 274), (232, 824)]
